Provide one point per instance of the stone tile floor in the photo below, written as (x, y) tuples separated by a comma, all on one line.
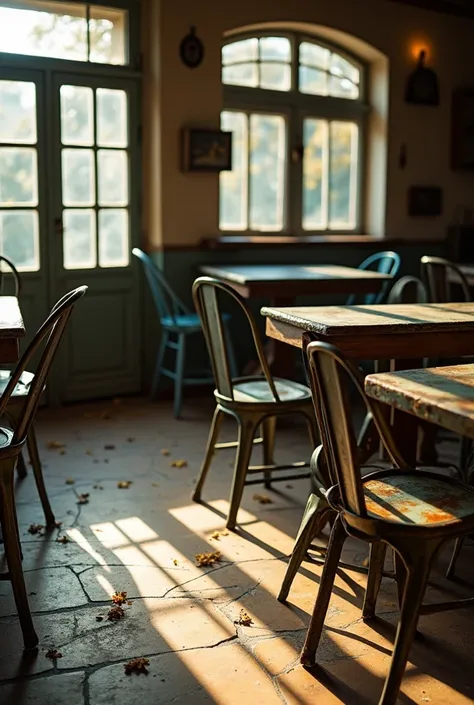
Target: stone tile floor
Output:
[(183, 618)]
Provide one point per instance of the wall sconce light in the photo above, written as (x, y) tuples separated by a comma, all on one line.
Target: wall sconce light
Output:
[(422, 86)]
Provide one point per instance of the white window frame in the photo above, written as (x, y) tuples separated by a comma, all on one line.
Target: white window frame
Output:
[(295, 106)]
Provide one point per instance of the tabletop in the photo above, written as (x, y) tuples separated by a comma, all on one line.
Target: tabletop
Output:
[(380, 331), (441, 395), (12, 329)]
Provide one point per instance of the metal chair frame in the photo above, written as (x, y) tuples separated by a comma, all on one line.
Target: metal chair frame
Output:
[(13, 441), (415, 545), (435, 274), (249, 415), (388, 262)]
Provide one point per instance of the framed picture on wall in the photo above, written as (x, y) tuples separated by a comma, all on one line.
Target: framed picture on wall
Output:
[(462, 144), (206, 150)]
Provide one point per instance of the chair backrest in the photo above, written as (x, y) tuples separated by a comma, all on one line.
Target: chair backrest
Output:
[(166, 301), (7, 268), (208, 305), (438, 275), (48, 338), (408, 290), (329, 374), (387, 262)]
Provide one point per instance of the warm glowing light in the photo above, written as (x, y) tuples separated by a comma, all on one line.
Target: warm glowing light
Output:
[(80, 539), (136, 529), (419, 45)]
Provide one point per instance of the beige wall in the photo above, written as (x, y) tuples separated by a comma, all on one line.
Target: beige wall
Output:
[(180, 209)]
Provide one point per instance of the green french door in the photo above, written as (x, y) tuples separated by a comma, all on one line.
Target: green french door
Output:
[(69, 190)]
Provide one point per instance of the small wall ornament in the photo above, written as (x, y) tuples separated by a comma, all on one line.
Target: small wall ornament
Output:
[(191, 49), (422, 86)]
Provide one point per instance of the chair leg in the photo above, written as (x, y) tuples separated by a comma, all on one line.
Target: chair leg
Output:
[(336, 542), (376, 564), (400, 577), (419, 558), (13, 555), (206, 463), (452, 563), (38, 473), (21, 468), (179, 371), (159, 363), (306, 533), (465, 449), (268, 435), (246, 435), (313, 430)]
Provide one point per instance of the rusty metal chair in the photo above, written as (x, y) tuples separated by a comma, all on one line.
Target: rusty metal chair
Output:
[(253, 401), (12, 442), (412, 512), (439, 275), (387, 262)]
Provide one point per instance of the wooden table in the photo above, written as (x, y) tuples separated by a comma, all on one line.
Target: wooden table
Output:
[(11, 329), (283, 283), (405, 333)]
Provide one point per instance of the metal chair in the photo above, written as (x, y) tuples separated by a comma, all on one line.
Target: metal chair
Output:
[(408, 290), (387, 262), (412, 512), (439, 275), (177, 322), (254, 401), (13, 441)]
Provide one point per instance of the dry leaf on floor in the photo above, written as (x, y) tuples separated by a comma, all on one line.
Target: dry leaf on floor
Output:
[(155, 484), (106, 460), (136, 665), (115, 613), (62, 452), (96, 460), (63, 539), (55, 445), (289, 487), (58, 524), (175, 561), (165, 451), (83, 498), (207, 559), (88, 452), (35, 529), (365, 562), (119, 598), (124, 484), (69, 481), (244, 619), (109, 446), (99, 618), (97, 487), (53, 654), (130, 440), (216, 535), (262, 499), (129, 603), (179, 464)]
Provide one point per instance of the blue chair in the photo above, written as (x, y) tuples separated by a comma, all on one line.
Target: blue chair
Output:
[(177, 322), (384, 262)]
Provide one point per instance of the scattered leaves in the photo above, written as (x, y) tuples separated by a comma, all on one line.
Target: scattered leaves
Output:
[(97, 487), (136, 665), (130, 440), (262, 499), (124, 484), (129, 603), (216, 535), (96, 460), (115, 613), (244, 619), (179, 464), (53, 654), (99, 618), (63, 539), (55, 445), (206, 559), (88, 452), (165, 451), (155, 484), (175, 561), (62, 452), (35, 529), (69, 481), (58, 524), (109, 446), (289, 487), (83, 498), (119, 598)]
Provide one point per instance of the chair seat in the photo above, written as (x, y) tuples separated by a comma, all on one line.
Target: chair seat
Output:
[(417, 499), (188, 320), (258, 390), (21, 389)]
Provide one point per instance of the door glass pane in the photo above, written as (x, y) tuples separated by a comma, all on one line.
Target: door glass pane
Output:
[(78, 177), (267, 171), (19, 238), (233, 184), (79, 239), (18, 176), (77, 121), (315, 141), (111, 118), (17, 112), (113, 238), (113, 181), (343, 175)]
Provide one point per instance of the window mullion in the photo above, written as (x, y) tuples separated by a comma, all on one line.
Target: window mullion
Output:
[(249, 147), (326, 171)]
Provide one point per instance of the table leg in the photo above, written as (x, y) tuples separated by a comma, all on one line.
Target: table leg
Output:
[(281, 356), (405, 426)]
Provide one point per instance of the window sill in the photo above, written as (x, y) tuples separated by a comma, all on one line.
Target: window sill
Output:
[(236, 242)]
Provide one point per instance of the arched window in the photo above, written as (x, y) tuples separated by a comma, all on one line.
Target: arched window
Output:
[(295, 106)]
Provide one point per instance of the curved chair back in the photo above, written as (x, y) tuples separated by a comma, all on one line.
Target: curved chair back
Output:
[(329, 374), (167, 303), (208, 306), (8, 268), (387, 262), (438, 274), (48, 337), (408, 290)]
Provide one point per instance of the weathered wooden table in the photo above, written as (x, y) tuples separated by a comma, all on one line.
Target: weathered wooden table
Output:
[(283, 283), (405, 333), (11, 329)]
